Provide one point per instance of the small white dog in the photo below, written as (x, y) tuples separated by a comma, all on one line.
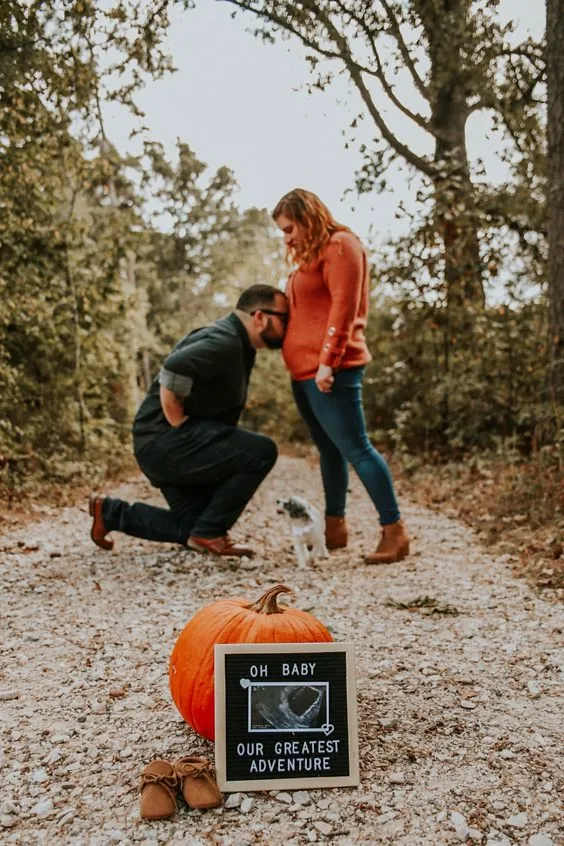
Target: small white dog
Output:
[(308, 529)]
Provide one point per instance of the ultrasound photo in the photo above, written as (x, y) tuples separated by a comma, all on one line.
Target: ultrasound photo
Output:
[(288, 707)]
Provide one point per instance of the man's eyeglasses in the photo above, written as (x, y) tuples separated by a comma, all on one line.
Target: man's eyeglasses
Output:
[(283, 315)]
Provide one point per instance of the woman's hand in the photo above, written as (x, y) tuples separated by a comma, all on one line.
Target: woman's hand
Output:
[(324, 378)]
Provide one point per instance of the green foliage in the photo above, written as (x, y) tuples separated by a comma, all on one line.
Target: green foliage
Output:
[(433, 396), (106, 261)]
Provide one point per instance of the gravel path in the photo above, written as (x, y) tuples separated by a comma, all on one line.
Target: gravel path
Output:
[(460, 702)]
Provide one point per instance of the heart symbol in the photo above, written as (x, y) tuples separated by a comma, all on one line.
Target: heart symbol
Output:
[(327, 729), (245, 683)]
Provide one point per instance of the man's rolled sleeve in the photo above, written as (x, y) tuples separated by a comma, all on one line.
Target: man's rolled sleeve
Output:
[(181, 386)]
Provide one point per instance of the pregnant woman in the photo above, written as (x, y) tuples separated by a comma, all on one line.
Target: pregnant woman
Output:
[(325, 351)]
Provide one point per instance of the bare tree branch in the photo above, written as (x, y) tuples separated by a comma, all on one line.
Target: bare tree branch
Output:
[(380, 75), (404, 50), (284, 23), (535, 57), (355, 71), (410, 157)]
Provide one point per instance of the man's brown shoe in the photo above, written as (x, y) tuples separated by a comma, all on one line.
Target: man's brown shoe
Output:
[(223, 546), (98, 531), (336, 532)]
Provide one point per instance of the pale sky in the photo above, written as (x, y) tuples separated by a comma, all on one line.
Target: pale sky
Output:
[(241, 103)]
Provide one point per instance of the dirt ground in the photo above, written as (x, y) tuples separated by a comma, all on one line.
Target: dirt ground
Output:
[(459, 674)]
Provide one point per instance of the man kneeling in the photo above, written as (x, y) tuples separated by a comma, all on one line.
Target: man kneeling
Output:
[(186, 439)]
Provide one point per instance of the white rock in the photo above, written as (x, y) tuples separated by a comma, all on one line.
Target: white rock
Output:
[(441, 816), (518, 820), (311, 836), (8, 821), (468, 704), (534, 689), (233, 800), (382, 819), (460, 825), (323, 827), (475, 834), (8, 808), (540, 840), (507, 754), (302, 797), (54, 756), (323, 804), (6, 695), (284, 797), (246, 805), (40, 776), (43, 808), (388, 722), (396, 778), (126, 753)]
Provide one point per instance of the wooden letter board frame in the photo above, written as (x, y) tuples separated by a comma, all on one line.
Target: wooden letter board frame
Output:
[(244, 688)]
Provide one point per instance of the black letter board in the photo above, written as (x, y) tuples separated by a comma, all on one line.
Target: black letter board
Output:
[(285, 716)]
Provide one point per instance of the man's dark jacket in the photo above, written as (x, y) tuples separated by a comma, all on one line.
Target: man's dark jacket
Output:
[(210, 370)]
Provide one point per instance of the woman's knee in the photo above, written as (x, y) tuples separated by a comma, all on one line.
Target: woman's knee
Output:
[(359, 451)]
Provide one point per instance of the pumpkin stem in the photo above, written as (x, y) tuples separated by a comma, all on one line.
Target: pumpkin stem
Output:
[(268, 604)]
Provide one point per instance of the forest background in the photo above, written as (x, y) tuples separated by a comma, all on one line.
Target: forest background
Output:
[(107, 259)]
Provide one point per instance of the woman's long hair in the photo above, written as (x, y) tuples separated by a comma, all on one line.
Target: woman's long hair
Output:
[(316, 220)]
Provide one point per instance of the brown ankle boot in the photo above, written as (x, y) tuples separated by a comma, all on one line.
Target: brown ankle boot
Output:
[(393, 546), (336, 532)]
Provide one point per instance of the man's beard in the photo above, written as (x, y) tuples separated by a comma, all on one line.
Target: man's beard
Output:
[(271, 341)]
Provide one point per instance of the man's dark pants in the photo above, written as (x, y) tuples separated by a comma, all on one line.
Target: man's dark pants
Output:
[(206, 471)]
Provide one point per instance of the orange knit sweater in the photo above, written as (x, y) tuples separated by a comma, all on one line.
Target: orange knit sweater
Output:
[(328, 310)]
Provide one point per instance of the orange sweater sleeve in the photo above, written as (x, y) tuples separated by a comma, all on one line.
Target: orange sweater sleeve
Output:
[(343, 273)]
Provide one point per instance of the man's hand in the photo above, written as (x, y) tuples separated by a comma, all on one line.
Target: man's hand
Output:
[(324, 378), (173, 407)]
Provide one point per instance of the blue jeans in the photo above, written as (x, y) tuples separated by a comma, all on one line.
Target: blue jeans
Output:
[(338, 429)]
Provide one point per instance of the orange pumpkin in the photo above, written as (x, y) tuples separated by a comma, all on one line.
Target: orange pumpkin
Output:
[(191, 671)]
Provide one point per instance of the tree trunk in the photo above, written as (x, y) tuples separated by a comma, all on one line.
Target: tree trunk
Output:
[(147, 379), (132, 345), (455, 211), (445, 25), (555, 75)]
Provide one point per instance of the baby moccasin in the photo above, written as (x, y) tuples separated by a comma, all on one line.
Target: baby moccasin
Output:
[(159, 782), (197, 782)]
